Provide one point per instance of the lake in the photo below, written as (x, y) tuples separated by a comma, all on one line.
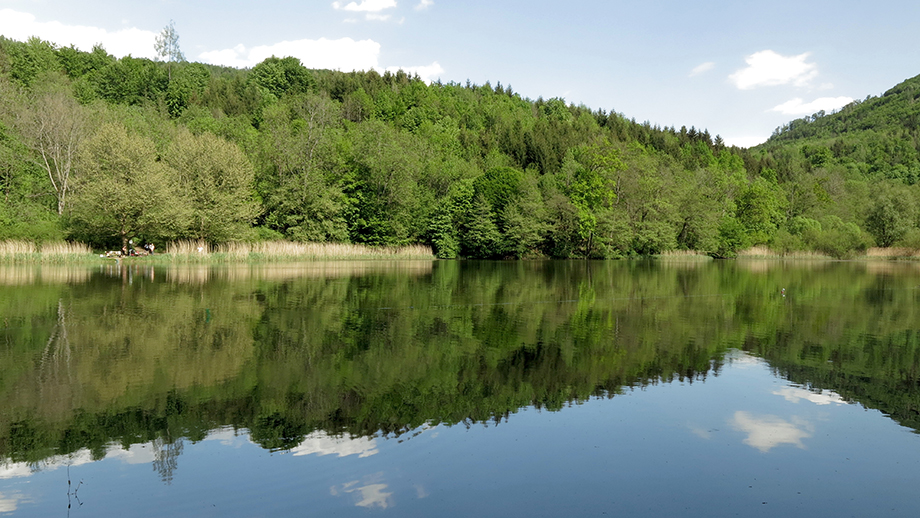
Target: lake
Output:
[(448, 388)]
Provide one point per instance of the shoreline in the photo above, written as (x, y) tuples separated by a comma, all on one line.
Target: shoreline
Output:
[(193, 252)]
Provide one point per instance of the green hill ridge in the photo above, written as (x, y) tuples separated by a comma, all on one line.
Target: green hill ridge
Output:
[(105, 150)]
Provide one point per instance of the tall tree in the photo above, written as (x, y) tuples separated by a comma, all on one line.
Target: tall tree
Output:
[(167, 47), (53, 124)]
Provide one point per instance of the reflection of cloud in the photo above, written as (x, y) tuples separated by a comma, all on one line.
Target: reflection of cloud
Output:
[(24, 469), (796, 394), (370, 495), (227, 436), (322, 443), (373, 496), (135, 454), (766, 432), (15, 470), (700, 432), (742, 359), (8, 504)]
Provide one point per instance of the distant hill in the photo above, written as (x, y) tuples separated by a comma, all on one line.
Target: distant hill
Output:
[(877, 137)]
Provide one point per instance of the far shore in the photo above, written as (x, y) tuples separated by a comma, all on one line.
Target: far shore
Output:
[(283, 251)]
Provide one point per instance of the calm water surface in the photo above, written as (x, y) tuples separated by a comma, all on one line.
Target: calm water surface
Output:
[(745, 388)]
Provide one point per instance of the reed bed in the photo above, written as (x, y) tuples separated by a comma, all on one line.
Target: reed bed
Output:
[(201, 251), (764, 252), (892, 253), (15, 251)]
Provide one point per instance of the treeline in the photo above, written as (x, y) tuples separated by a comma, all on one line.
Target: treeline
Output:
[(105, 150)]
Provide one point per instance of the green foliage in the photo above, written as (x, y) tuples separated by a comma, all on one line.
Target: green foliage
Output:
[(123, 192), (891, 215), (376, 159), (215, 179), (278, 76)]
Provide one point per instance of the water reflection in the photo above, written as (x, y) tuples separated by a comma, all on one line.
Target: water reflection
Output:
[(765, 432), (141, 364), (794, 394), (321, 443), (368, 495)]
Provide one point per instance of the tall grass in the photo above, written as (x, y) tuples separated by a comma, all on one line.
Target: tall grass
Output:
[(893, 253), (51, 252), (201, 251)]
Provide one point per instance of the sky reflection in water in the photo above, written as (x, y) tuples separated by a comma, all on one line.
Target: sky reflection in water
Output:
[(743, 441)]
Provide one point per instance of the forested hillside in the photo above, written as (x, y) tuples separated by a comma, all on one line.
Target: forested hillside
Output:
[(858, 165), (102, 150)]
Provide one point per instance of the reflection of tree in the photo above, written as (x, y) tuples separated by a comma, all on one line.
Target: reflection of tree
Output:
[(389, 351), (56, 383), (167, 451)]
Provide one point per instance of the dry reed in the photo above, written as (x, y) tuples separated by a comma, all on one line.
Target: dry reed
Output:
[(55, 251), (892, 253), (201, 251)]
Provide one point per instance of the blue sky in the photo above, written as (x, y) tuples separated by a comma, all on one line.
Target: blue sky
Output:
[(738, 69)]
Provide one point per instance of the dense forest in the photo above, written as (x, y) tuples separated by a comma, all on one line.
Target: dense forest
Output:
[(103, 150)]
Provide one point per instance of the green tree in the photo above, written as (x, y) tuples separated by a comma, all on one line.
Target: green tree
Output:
[(891, 215), (216, 180), (123, 192)]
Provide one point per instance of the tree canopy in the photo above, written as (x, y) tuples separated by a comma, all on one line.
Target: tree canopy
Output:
[(472, 170)]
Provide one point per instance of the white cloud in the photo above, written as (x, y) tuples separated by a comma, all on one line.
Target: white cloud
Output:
[(703, 68), (22, 26), (371, 6), (744, 140), (768, 431), (767, 68), (424, 4), (798, 107), (342, 54), (796, 394), (428, 73)]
